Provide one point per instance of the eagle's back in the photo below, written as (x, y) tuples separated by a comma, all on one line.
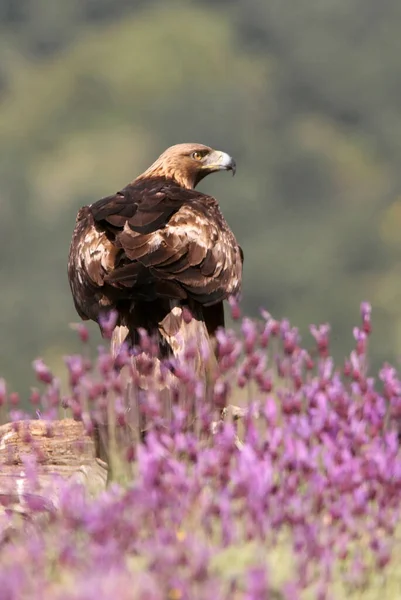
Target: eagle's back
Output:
[(153, 239)]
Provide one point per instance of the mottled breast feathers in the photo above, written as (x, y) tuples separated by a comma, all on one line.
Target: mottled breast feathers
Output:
[(153, 239)]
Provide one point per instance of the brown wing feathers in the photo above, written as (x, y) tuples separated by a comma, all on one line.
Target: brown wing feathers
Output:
[(180, 244)]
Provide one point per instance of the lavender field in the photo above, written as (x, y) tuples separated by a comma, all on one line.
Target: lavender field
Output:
[(296, 494)]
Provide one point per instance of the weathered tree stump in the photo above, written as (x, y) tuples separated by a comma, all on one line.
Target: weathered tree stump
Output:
[(62, 450)]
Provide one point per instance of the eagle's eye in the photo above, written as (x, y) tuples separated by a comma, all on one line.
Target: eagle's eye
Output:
[(197, 155)]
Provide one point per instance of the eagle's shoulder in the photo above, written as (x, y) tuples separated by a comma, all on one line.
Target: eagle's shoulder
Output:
[(82, 214), (146, 205)]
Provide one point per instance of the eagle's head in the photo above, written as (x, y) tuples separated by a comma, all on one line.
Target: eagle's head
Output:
[(188, 164)]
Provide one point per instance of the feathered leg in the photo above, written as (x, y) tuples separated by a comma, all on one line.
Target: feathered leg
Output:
[(186, 333)]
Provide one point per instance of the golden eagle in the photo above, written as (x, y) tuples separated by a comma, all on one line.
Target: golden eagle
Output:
[(156, 247)]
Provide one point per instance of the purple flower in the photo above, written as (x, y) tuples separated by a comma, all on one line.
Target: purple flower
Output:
[(14, 399), (361, 340), (35, 397), (82, 331), (108, 322), (235, 309), (37, 503), (18, 415), (290, 337), (249, 331), (270, 411), (105, 362), (366, 311), (321, 335), (389, 377), (76, 368), (42, 371)]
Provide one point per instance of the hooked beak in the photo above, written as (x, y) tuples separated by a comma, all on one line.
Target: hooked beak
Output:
[(219, 161)]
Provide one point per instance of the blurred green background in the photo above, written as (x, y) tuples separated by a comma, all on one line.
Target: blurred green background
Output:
[(306, 95)]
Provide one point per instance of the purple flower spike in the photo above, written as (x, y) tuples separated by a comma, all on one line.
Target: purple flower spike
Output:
[(290, 337), (250, 334), (108, 322), (76, 368), (321, 335), (42, 371), (82, 331), (366, 311), (235, 309), (35, 397), (38, 503), (361, 338), (14, 399), (389, 377)]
